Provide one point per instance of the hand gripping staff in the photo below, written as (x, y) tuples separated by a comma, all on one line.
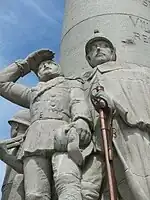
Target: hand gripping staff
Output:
[(101, 107)]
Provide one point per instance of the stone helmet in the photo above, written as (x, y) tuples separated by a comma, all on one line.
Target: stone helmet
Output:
[(35, 70), (59, 71), (21, 117), (99, 37)]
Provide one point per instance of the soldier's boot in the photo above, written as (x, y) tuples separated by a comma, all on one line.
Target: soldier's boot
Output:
[(93, 175), (67, 190)]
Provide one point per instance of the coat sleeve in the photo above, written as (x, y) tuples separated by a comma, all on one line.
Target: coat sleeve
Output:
[(79, 107), (14, 92)]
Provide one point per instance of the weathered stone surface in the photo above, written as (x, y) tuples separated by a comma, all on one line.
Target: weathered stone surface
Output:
[(54, 103), (13, 186), (125, 23), (125, 88)]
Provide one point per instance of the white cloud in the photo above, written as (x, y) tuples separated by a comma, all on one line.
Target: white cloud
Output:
[(41, 11), (11, 18)]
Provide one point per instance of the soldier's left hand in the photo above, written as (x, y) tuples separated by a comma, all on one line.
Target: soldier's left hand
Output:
[(61, 138)]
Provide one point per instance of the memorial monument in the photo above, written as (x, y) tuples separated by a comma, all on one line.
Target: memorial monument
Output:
[(125, 26), (125, 23), (89, 132)]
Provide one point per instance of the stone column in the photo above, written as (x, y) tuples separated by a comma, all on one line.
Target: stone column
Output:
[(125, 22)]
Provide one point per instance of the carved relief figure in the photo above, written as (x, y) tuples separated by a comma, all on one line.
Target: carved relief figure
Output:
[(126, 93), (13, 187), (60, 121)]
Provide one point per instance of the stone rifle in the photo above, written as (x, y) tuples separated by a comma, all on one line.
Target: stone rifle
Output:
[(13, 142)]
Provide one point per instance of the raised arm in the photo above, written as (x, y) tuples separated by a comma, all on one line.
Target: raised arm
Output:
[(17, 93), (12, 91)]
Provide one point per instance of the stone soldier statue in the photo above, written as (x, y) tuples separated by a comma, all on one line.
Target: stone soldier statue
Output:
[(126, 93), (13, 187), (54, 103)]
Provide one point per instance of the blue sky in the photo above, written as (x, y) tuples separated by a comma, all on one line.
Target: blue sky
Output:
[(26, 25)]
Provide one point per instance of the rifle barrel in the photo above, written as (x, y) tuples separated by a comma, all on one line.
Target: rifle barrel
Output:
[(19, 138)]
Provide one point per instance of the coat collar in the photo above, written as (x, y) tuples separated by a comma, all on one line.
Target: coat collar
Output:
[(104, 68), (50, 83), (43, 87)]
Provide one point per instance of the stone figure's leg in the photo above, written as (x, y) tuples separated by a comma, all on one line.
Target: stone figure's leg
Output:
[(67, 177), (123, 190), (6, 189), (54, 194), (92, 177), (37, 171), (73, 147), (13, 191)]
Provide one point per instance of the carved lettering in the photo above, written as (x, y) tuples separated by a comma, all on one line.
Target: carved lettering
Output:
[(136, 36), (141, 23), (145, 3), (134, 21), (145, 38), (141, 37)]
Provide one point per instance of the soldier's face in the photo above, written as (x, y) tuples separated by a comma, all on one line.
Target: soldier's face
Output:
[(99, 53), (14, 129), (47, 70), (17, 129)]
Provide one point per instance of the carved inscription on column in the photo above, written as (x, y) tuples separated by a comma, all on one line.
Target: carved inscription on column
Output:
[(141, 27), (145, 3)]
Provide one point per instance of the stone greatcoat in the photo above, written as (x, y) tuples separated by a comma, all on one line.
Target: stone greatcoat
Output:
[(13, 187), (52, 104), (129, 86)]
